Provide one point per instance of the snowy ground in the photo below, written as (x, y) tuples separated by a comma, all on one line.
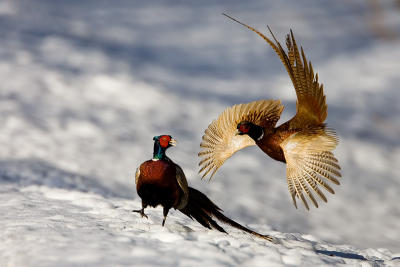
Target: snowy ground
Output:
[(86, 85)]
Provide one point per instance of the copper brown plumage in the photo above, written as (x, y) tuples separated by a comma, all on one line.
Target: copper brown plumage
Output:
[(304, 143), (160, 181)]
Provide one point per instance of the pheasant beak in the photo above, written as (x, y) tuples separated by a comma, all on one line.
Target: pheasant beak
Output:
[(172, 142), (237, 132)]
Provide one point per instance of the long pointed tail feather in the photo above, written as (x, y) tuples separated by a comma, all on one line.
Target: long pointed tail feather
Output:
[(202, 209)]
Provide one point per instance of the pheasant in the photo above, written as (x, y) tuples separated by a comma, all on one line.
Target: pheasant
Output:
[(304, 143), (160, 181)]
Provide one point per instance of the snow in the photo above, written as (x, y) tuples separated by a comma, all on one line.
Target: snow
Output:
[(47, 226), (86, 85)]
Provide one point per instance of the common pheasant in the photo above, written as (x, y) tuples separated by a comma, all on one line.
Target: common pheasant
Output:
[(304, 142), (160, 181)]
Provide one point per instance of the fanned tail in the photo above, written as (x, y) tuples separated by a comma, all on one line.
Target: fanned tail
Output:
[(202, 209)]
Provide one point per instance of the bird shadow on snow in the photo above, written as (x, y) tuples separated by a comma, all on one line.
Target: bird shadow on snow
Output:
[(350, 255), (32, 171), (340, 254)]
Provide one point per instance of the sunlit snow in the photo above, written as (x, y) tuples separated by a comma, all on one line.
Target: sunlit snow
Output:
[(85, 85)]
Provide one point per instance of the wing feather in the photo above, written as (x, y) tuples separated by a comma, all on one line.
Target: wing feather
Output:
[(311, 102), (137, 174), (292, 191), (314, 186), (220, 140), (183, 184), (310, 163), (308, 192)]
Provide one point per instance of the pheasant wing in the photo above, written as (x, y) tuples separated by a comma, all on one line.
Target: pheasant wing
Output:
[(311, 102), (137, 174), (310, 163), (220, 140), (183, 184), (311, 105)]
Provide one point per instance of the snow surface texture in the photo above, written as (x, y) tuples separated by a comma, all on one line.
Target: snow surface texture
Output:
[(86, 85)]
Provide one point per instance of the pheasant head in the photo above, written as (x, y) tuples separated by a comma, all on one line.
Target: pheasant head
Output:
[(161, 144)]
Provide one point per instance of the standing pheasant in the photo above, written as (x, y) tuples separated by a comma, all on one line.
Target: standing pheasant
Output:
[(160, 181), (304, 143)]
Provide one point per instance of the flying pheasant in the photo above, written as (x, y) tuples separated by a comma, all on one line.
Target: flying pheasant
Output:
[(304, 143), (160, 181)]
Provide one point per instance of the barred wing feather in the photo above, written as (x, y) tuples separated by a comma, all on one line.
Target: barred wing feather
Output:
[(311, 102), (311, 164), (220, 140)]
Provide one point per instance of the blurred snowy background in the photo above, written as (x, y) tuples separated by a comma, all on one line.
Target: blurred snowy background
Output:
[(85, 85)]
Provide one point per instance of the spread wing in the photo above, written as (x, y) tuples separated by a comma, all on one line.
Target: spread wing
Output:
[(311, 105), (220, 140), (310, 163), (183, 184)]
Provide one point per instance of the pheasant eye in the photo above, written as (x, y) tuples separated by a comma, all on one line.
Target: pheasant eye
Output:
[(244, 128)]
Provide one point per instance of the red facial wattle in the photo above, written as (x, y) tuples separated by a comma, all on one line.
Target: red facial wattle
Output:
[(164, 141)]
